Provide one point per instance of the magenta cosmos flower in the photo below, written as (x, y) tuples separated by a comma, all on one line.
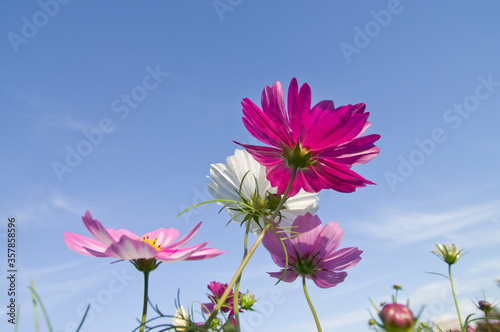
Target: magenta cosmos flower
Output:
[(321, 143), (218, 290), (123, 244), (313, 253)]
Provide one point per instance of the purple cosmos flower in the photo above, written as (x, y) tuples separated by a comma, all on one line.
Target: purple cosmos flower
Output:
[(123, 244), (313, 253), (321, 143)]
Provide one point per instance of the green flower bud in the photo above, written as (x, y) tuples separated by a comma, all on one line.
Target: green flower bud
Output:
[(247, 300)]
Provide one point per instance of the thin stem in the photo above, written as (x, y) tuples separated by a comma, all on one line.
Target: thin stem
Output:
[(237, 285), (245, 260), (35, 311), (145, 305), (487, 321), (455, 297), (285, 194), (310, 304), (36, 298)]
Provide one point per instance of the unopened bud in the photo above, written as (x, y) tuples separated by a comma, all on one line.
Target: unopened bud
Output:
[(397, 318), (484, 306), (247, 300), (397, 287)]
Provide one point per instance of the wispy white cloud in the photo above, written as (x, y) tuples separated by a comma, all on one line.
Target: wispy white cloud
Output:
[(46, 205), (404, 226), (33, 101), (486, 265), (43, 117)]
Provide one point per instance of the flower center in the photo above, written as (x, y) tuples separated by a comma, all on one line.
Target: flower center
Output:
[(305, 266), (146, 239), (298, 157), (258, 202)]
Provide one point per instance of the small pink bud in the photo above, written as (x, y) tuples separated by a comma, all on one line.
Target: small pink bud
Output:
[(397, 317)]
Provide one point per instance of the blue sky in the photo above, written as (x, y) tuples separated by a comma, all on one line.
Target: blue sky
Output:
[(150, 92)]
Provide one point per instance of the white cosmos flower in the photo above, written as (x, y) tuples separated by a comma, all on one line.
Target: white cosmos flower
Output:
[(180, 319), (226, 182)]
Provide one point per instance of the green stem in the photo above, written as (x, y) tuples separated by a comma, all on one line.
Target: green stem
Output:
[(36, 299), (237, 285), (455, 297), (35, 311), (145, 305), (310, 304), (487, 321), (245, 260)]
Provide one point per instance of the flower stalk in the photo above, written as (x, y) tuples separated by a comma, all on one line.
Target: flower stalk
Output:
[(237, 275), (455, 298), (316, 320), (237, 285), (145, 304)]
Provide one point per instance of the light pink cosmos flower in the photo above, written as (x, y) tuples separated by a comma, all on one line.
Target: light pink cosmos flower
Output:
[(322, 142), (123, 244), (313, 253)]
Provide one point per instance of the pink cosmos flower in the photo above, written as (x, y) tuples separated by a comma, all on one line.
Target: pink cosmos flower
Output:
[(313, 253), (322, 142), (123, 244)]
